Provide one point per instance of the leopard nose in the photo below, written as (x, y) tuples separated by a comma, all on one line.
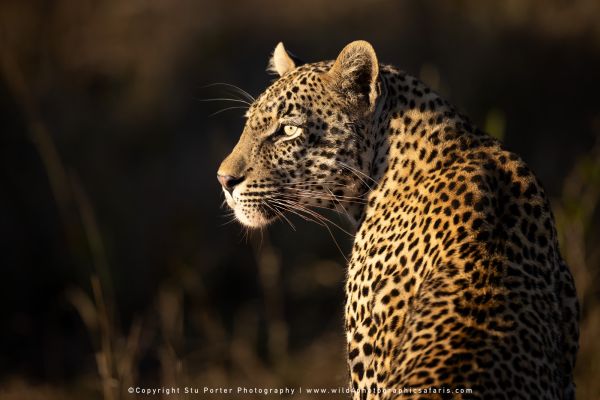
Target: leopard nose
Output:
[(229, 182)]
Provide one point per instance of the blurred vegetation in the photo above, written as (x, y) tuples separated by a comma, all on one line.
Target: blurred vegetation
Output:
[(119, 265)]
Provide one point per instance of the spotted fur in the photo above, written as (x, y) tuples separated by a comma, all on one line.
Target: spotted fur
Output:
[(455, 278)]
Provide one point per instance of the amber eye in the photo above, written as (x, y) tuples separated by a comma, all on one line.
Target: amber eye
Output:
[(286, 132), (292, 131)]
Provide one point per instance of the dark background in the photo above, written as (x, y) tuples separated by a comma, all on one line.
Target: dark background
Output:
[(118, 265)]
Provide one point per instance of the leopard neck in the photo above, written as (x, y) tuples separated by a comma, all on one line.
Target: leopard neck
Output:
[(414, 130)]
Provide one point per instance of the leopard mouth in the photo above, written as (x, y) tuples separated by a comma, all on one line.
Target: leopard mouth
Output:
[(252, 212), (259, 209)]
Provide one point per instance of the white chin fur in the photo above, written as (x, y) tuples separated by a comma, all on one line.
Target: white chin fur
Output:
[(256, 220)]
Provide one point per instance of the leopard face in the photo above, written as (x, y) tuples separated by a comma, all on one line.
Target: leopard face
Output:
[(302, 145)]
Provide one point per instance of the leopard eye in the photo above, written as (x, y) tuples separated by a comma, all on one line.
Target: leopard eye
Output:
[(291, 131)]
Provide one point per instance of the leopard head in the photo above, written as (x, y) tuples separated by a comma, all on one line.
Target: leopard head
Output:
[(305, 144)]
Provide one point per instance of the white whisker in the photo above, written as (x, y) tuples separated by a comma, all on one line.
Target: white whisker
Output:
[(240, 90)]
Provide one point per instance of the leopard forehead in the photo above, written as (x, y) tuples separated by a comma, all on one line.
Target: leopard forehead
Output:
[(304, 99), (294, 97)]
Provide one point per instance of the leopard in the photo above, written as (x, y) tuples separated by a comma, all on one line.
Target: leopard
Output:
[(455, 285)]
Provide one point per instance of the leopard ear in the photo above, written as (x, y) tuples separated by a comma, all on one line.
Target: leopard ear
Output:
[(354, 74), (282, 61)]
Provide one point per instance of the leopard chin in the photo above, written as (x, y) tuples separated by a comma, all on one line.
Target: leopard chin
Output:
[(252, 218), (249, 216)]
